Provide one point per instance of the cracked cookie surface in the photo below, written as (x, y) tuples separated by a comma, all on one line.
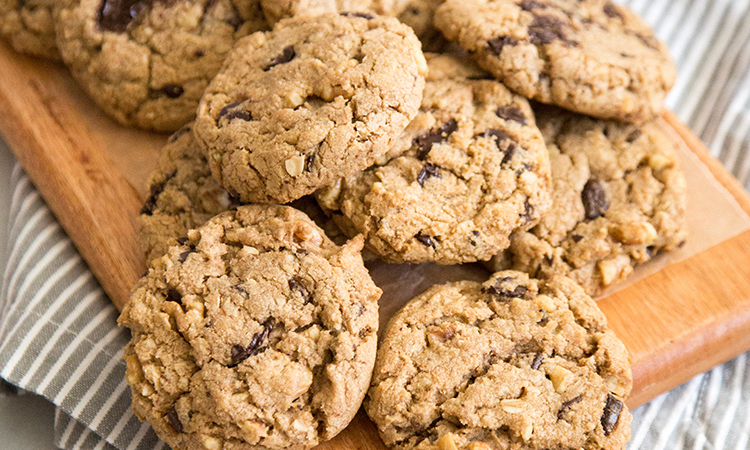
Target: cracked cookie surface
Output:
[(29, 26), (147, 63), (469, 170), (618, 199), (254, 332), (316, 99), (589, 56), (511, 363)]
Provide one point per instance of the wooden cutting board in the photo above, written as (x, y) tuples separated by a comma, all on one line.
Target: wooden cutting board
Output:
[(686, 312)]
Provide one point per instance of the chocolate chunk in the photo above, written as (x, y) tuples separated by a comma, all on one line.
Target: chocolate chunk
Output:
[(116, 15), (182, 240), (528, 211), (233, 111), (499, 134), (426, 141), (298, 284), (594, 198), (174, 420), (544, 320), (358, 14), (611, 414), (497, 44), (498, 290), (309, 162), (156, 190), (566, 405), (537, 361), (611, 10), (286, 55), (512, 112), (633, 136), (179, 133), (173, 295), (528, 5), (576, 238), (172, 90), (240, 354), (547, 29), (428, 170), (184, 255), (424, 239), (509, 153)]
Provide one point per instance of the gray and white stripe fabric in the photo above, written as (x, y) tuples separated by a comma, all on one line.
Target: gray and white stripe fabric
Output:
[(58, 335)]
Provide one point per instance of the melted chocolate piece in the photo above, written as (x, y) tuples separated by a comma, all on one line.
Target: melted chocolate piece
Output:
[(424, 239), (594, 198), (497, 289), (566, 405), (309, 162), (234, 111), (179, 133), (240, 354), (611, 11), (547, 29), (358, 14), (173, 295), (116, 15), (576, 238), (174, 420), (528, 5), (537, 361), (184, 255), (512, 112), (426, 141), (182, 240), (286, 55), (156, 190), (633, 136), (298, 284), (429, 170), (611, 414), (496, 45), (509, 153), (172, 90), (528, 211)]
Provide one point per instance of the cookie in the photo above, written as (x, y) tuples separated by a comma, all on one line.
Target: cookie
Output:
[(254, 332), (275, 10), (317, 98), (469, 170), (618, 199), (29, 26), (589, 56), (183, 195), (147, 63), (512, 363), (419, 15)]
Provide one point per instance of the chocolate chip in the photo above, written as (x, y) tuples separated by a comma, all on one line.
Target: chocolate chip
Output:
[(611, 10), (528, 5), (633, 136), (576, 238), (240, 354), (174, 420), (184, 255), (182, 240), (547, 29), (499, 134), (233, 111), (364, 332), (156, 190), (173, 295), (509, 153), (426, 141), (424, 239), (594, 198), (498, 290), (286, 55), (428, 170), (172, 90), (309, 162), (358, 14), (566, 405), (538, 358), (179, 133), (512, 112), (528, 211), (298, 284), (116, 15), (611, 414), (497, 44)]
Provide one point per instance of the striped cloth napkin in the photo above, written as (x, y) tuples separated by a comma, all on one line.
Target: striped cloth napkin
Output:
[(58, 333)]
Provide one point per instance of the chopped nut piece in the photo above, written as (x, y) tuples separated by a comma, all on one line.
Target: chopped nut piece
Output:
[(635, 233), (658, 161), (478, 445), (614, 269), (295, 165), (211, 443), (513, 405), (446, 442), (293, 100), (546, 303), (528, 429), (560, 377)]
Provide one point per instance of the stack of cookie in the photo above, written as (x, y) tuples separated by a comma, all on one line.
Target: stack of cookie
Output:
[(526, 140)]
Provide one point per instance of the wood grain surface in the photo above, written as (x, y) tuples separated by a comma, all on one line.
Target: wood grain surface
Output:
[(680, 321)]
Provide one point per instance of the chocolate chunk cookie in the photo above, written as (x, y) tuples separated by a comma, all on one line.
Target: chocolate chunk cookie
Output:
[(474, 169), (275, 10), (254, 332), (182, 195), (512, 363), (618, 199), (318, 98), (147, 63), (29, 26), (589, 56)]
